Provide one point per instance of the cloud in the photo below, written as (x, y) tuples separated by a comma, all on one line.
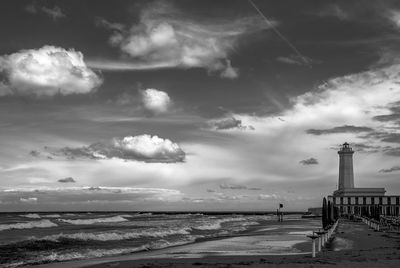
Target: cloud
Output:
[(333, 10), (29, 200), (210, 191), (309, 161), (229, 122), (268, 196), (229, 71), (67, 180), (165, 36), (395, 168), (341, 129), (295, 60), (254, 189), (46, 72), (224, 196), (144, 148), (34, 153), (232, 186), (55, 12), (155, 101), (101, 22)]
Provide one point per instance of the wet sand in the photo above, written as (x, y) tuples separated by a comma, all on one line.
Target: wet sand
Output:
[(354, 245)]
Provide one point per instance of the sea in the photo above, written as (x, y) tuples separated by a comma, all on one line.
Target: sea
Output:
[(37, 238)]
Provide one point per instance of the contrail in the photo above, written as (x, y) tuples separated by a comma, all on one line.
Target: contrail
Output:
[(298, 53)]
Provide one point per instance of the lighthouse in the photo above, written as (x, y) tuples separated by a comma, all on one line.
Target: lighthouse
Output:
[(346, 175)]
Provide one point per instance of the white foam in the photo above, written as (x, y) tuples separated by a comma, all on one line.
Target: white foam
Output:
[(96, 253), (215, 224), (31, 216), (109, 236), (301, 233), (51, 216), (95, 220), (28, 225)]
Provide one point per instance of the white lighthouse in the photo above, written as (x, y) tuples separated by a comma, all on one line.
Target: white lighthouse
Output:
[(346, 175)]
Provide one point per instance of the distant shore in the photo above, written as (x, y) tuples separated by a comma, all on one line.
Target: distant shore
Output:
[(354, 245)]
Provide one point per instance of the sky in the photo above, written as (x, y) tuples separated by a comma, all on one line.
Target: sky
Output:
[(195, 105)]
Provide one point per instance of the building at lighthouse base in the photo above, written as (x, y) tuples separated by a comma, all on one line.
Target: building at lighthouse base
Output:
[(360, 201)]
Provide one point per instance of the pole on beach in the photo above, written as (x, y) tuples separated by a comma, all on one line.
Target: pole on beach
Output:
[(320, 239), (313, 237)]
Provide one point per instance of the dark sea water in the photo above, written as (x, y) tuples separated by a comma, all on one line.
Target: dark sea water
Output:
[(42, 237)]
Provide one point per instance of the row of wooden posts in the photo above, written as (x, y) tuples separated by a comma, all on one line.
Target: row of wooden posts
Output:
[(323, 237), (374, 224)]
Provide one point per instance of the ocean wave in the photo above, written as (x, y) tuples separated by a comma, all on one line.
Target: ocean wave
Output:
[(216, 224), (110, 236), (95, 220), (31, 215), (301, 233), (69, 255), (51, 216), (28, 225)]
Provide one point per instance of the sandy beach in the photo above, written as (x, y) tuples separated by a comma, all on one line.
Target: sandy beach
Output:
[(354, 245)]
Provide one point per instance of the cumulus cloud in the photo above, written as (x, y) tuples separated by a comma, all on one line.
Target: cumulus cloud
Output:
[(145, 148), (55, 12), (309, 161), (389, 170), (229, 122), (67, 180), (46, 72), (166, 37), (341, 129), (155, 101)]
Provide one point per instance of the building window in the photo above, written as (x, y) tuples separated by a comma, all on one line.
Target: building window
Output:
[(356, 200)]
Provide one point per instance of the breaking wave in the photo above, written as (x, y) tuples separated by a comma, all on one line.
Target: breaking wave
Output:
[(109, 236), (51, 216), (28, 225), (216, 224), (93, 221), (31, 215)]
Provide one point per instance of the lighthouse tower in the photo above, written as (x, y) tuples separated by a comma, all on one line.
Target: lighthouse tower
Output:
[(346, 175)]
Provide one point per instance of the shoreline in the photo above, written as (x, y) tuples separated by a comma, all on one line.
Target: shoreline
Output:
[(353, 245)]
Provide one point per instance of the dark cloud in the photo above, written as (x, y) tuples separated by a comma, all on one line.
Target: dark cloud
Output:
[(232, 186), (341, 129), (395, 168), (254, 189), (144, 148), (391, 151), (309, 161), (34, 153), (229, 123), (210, 191), (365, 148), (67, 180), (391, 137)]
